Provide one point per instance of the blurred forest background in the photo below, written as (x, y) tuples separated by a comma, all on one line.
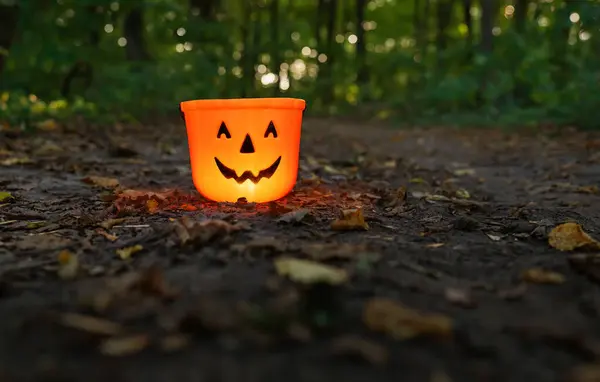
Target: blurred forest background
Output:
[(476, 62)]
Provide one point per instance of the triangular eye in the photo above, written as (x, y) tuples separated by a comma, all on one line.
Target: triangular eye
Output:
[(271, 130), (223, 130)]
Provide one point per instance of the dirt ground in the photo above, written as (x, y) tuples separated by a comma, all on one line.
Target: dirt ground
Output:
[(113, 268)]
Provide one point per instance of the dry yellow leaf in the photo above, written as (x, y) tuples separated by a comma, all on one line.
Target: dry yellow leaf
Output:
[(434, 245), (15, 160), (107, 235), (47, 125), (569, 236), (101, 181), (90, 324), (68, 265), (542, 276), (123, 346), (309, 272), (152, 205), (125, 253), (5, 196), (400, 322), (350, 220)]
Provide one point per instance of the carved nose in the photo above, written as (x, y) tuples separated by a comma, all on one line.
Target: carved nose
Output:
[(247, 146)]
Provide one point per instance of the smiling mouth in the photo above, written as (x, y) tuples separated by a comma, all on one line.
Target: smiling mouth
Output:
[(229, 173)]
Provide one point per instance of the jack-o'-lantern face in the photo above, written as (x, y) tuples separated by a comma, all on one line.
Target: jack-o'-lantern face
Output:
[(244, 152)]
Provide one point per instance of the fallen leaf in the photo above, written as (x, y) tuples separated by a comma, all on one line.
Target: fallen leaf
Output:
[(593, 190), (108, 224), (123, 346), (461, 297), (294, 216), (47, 125), (400, 322), (309, 272), (434, 245), (152, 205), (68, 265), (15, 160), (397, 198), (107, 235), (5, 196), (101, 181), (462, 193), (201, 232), (494, 237), (90, 324), (350, 220), (464, 171), (188, 207), (35, 225), (125, 253), (417, 181), (351, 345), (569, 236), (541, 276)]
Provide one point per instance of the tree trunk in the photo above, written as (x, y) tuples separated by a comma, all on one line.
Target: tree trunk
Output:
[(444, 14), (361, 51), (319, 23), (467, 4), (275, 43), (521, 8), (487, 24), (9, 16), (207, 9), (332, 8), (135, 50)]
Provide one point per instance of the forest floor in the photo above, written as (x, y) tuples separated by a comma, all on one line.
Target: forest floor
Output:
[(113, 268)]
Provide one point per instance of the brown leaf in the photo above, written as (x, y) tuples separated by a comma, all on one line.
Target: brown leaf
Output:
[(397, 198), (125, 253), (592, 190), (400, 322), (350, 220), (124, 346), (101, 181), (569, 236), (68, 265), (351, 345), (309, 272), (201, 232), (541, 276), (91, 324), (294, 216), (107, 235)]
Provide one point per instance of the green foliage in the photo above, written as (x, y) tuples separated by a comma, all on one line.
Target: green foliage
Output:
[(546, 72), (27, 111)]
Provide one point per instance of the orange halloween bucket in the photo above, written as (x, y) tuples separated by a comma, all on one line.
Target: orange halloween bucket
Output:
[(244, 148)]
